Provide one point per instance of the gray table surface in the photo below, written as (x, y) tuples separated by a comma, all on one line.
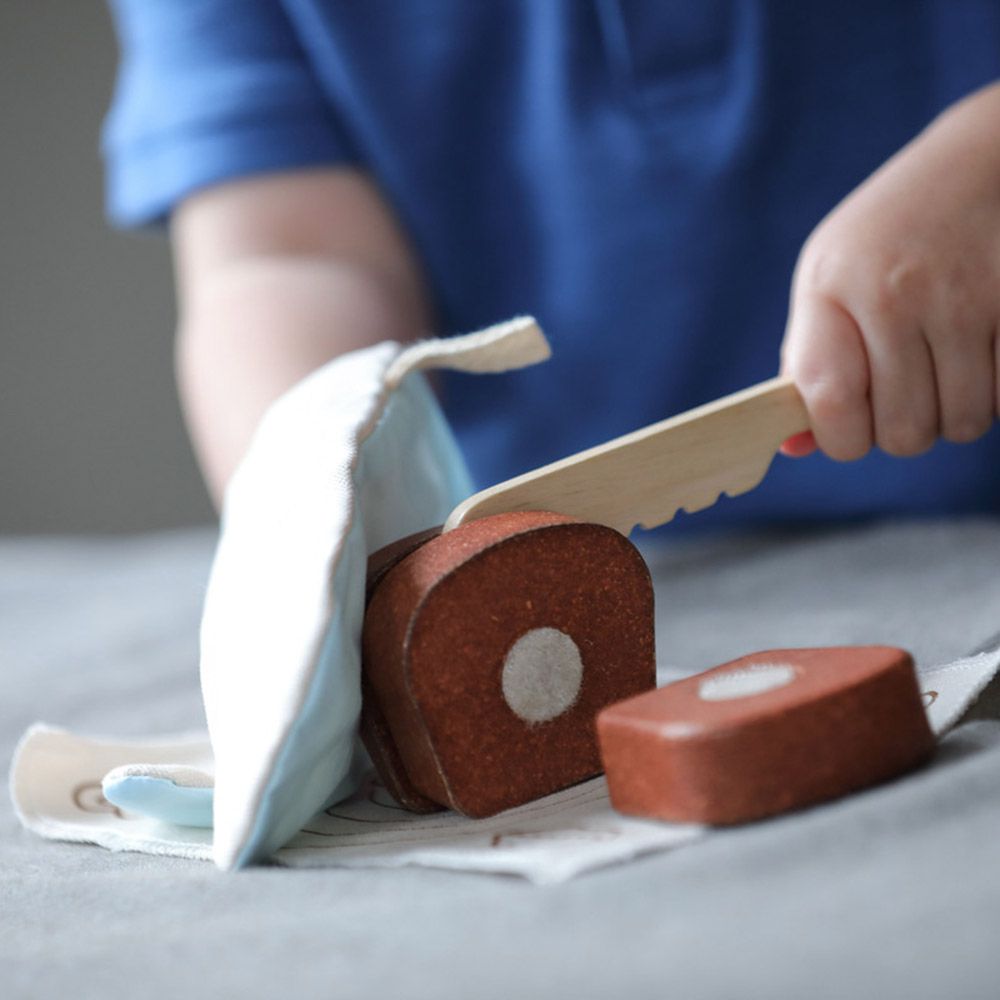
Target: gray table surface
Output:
[(890, 893)]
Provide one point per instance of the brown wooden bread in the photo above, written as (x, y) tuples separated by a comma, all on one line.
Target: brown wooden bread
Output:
[(488, 652), (764, 734)]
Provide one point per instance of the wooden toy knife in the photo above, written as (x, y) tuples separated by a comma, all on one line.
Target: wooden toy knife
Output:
[(645, 477)]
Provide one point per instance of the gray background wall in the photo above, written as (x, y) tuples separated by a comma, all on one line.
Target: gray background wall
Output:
[(91, 438)]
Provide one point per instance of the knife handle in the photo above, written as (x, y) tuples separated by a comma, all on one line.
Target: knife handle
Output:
[(643, 478)]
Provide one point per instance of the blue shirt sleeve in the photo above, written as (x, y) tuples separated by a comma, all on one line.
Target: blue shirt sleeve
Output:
[(208, 91)]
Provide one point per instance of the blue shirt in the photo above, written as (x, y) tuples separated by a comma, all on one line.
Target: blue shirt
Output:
[(638, 175)]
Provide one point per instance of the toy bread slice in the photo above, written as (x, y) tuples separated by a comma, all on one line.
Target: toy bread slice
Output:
[(765, 734), (375, 733), (489, 651)]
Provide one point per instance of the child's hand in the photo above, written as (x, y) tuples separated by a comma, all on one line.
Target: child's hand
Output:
[(893, 332)]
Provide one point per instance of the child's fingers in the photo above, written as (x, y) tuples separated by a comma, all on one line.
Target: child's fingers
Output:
[(996, 370), (966, 386), (824, 353), (903, 391)]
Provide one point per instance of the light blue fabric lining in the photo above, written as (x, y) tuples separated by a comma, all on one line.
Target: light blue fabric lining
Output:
[(409, 475), (162, 799)]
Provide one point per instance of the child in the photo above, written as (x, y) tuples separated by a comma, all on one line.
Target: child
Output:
[(641, 177)]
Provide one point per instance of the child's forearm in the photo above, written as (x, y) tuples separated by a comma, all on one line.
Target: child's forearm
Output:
[(276, 277), (260, 327)]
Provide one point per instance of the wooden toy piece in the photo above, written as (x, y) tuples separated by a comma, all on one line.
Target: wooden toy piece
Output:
[(685, 462), (488, 652), (765, 734), (375, 732)]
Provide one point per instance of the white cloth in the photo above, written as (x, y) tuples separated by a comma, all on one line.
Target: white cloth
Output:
[(351, 458), (56, 787)]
